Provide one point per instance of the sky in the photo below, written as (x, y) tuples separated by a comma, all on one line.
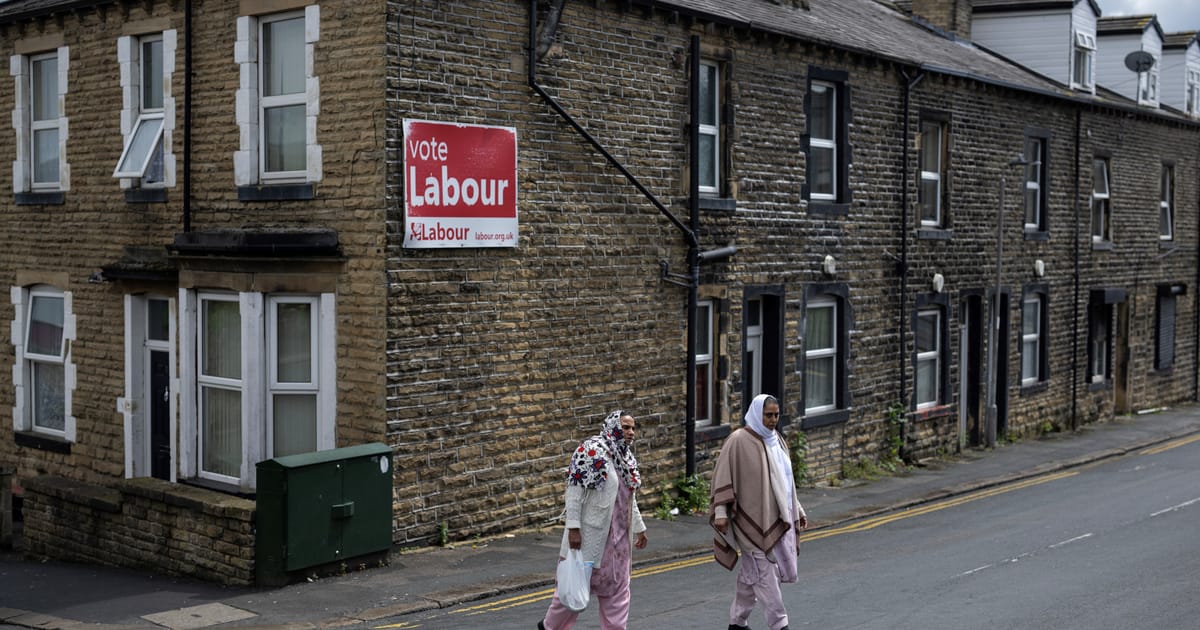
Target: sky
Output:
[(1173, 15)]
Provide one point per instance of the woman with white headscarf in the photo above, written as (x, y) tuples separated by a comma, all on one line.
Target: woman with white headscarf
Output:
[(603, 521), (755, 509)]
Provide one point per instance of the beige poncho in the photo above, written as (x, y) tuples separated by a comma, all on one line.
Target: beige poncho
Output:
[(742, 483)]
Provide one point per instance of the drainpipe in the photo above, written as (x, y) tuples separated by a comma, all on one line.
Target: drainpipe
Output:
[(1196, 311), (695, 257), (187, 117), (910, 82), (1075, 301)]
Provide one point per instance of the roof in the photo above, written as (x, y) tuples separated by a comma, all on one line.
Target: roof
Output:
[(1180, 40), (1126, 24), (16, 10), (997, 6)]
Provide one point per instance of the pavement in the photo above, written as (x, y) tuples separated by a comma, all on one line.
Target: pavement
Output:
[(51, 595)]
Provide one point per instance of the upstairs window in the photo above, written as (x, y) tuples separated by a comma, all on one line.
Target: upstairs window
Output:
[(1101, 210), (1193, 92), (142, 123), (1148, 87), (1166, 204), (1082, 61), (40, 122), (1037, 174), (709, 158), (826, 143), (934, 173)]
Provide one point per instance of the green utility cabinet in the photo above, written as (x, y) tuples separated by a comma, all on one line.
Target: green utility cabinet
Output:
[(322, 508)]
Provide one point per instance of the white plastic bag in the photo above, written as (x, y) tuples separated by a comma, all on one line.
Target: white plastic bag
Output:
[(574, 581)]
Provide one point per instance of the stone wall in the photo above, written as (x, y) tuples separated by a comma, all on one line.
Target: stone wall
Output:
[(142, 524)]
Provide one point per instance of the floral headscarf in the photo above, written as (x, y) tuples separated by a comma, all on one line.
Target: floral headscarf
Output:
[(589, 462)]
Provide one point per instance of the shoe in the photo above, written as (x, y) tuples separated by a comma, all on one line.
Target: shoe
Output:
[(734, 626), (541, 626)]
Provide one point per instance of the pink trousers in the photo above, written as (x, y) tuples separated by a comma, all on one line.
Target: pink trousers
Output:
[(757, 582), (614, 611)]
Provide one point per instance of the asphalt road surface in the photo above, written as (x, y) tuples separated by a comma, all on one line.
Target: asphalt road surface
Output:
[(1115, 545)]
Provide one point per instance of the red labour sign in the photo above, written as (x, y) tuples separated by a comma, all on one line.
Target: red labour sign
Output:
[(460, 185)]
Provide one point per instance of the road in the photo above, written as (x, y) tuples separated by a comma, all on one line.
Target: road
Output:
[(1107, 546)]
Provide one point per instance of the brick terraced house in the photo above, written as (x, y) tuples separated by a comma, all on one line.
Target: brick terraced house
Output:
[(242, 230)]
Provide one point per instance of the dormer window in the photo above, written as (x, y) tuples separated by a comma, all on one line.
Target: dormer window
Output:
[(1193, 92), (1148, 87), (1082, 71)]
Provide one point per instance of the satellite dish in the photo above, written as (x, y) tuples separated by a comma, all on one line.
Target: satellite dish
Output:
[(1139, 61)]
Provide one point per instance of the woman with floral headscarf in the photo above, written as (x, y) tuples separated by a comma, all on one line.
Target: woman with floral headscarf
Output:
[(603, 521)]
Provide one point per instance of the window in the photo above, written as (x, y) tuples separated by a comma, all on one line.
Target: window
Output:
[(934, 167), (826, 340), (1164, 325), (929, 345), (278, 102), (1193, 92), (1148, 86), (1037, 173), (45, 373), (705, 363), (820, 356), (1166, 204), (1099, 349), (1034, 337), (261, 381), (1101, 210), (709, 160), (40, 123), (1082, 76), (146, 83), (826, 143)]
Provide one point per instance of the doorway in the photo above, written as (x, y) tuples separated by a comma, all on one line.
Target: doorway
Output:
[(971, 368), (1122, 405)]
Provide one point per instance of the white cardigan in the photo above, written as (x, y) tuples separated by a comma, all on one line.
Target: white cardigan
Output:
[(591, 512)]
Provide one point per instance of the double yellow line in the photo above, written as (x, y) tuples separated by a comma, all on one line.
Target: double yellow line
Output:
[(1162, 448)]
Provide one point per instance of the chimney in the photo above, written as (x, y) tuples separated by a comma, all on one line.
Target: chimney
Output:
[(951, 16)]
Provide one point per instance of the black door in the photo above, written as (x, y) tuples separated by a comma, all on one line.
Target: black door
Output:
[(160, 413)]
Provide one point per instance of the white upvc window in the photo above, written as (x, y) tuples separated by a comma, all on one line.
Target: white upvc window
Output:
[(1083, 61), (822, 129), (820, 356), (929, 358), (258, 382), (39, 118), (1148, 87), (1035, 174), (709, 163), (148, 116), (1166, 204), (1101, 210), (44, 372), (1193, 92), (278, 100), (705, 363), (1031, 339), (933, 138)]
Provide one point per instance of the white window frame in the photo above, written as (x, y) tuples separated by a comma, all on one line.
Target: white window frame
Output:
[(712, 130), (1166, 204), (137, 115), (21, 68), (933, 176), (1098, 367), (829, 352), (1148, 86), (255, 382), (934, 356), (249, 159), (705, 311), (23, 373), (1031, 338), (135, 405), (1102, 233), (1085, 52), (1035, 171), (1193, 92), (818, 143), (754, 340), (274, 385)]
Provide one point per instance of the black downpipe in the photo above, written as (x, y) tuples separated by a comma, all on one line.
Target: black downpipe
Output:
[(1196, 311), (689, 233), (1075, 300), (909, 84), (187, 117)]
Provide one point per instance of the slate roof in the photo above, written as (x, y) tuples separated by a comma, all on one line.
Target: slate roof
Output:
[(15, 10), (1124, 24), (987, 6), (1180, 40)]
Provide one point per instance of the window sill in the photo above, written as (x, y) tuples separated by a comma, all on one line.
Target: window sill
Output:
[(1102, 246), (824, 419), (828, 208), (278, 192), (719, 204), (57, 198), (1164, 372), (216, 486), (1101, 386), (1036, 235), (146, 195), (935, 234), (712, 433), (1166, 244), (1035, 388), (934, 411), (42, 442)]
